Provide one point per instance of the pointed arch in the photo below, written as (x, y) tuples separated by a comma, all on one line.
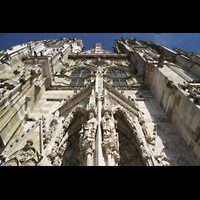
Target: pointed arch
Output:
[(117, 73), (85, 72), (70, 149), (71, 153), (76, 73), (133, 138), (80, 108), (129, 148), (121, 73), (82, 72), (71, 115), (128, 118), (111, 73)]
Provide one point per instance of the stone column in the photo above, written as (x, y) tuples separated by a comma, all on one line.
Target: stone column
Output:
[(98, 90), (99, 135), (109, 159), (89, 160)]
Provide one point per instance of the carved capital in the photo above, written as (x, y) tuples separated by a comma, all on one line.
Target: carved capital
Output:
[(89, 146), (109, 145)]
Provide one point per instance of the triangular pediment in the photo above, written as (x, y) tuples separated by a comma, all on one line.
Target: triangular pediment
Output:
[(121, 100), (79, 98), (98, 49)]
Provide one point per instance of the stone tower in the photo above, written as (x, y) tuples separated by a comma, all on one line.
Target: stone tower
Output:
[(135, 106)]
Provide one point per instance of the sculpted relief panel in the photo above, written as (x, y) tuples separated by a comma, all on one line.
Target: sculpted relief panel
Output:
[(27, 156)]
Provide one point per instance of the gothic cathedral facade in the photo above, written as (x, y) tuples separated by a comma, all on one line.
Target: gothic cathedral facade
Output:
[(135, 106)]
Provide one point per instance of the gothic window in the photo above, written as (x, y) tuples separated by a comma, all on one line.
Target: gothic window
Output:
[(117, 73), (123, 82), (111, 73), (116, 82), (79, 73), (85, 73), (121, 73), (76, 73), (74, 81), (80, 82)]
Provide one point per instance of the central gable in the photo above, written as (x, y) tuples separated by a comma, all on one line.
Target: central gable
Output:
[(98, 49), (121, 100)]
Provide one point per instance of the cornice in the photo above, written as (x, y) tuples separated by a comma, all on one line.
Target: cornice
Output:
[(73, 55)]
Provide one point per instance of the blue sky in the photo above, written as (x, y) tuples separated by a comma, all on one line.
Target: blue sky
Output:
[(187, 41)]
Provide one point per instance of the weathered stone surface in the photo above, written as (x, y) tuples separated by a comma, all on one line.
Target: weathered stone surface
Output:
[(136, 106)]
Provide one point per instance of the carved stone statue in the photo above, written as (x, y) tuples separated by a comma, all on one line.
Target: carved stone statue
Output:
[(161, 60), (184, 86), (87, 137), (47, 138), (91, 126), (108, 124), (110, 137)]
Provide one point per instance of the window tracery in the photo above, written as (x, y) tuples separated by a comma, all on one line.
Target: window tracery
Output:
[(79, 73), (117, 73)]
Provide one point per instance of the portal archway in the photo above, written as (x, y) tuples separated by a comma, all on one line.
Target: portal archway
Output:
[(71, 145), (129, 150)]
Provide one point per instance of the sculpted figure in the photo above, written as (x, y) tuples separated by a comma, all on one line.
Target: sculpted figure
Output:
[(184, 86), (108, 124), (90, 126), (47, 138), (110, 137), (87, 137), (27, 156)]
